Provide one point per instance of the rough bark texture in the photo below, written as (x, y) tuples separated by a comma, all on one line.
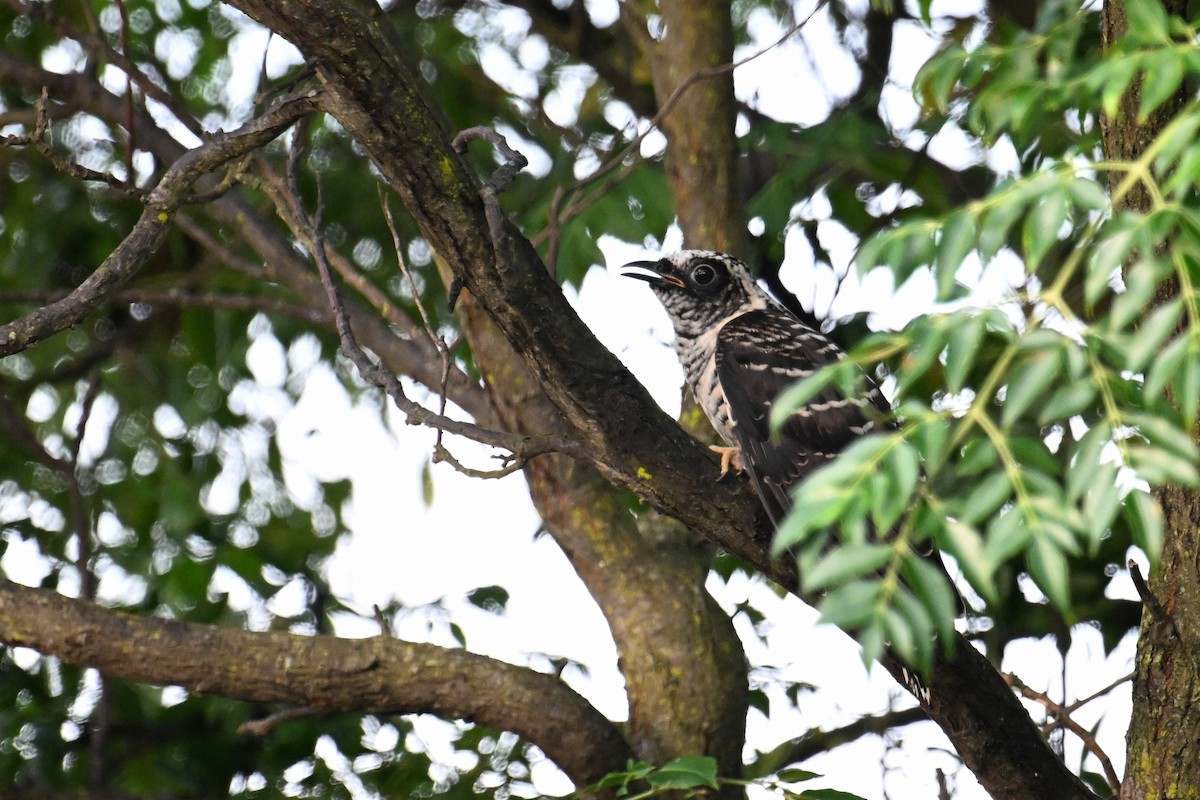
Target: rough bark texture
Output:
[(1163, 741)]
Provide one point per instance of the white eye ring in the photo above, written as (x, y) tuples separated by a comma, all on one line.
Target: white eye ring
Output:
[(704, 274)]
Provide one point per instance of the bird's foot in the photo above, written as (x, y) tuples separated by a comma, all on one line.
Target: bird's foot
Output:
[(729, 456)]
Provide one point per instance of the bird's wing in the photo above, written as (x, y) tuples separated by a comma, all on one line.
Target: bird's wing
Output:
[(761, 353)]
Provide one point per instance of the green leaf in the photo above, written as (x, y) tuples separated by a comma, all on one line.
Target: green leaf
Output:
[(1158, 467), (1042, 227), (961, 346), (929, 584), (489, 598), (966, 545), (1105, 258), (1114, 77), (800, 394), (925, 338), (1028, 383), (993, 233), (845, 562), (1007, 535), (850, 605), (938, 77), (1085, 460), (1151, 334), (906, 640), (1140, 283), (1048, 568), (1087, 194), (1163, 433), (635, 771), (1180, 133), (901, 471), (828, 794), (685, 773), (1145, 518), (1100, 505), (1148, 21), (427, 483), (820, 501), (1187, 391), (1162, 73), (986, 498), (978, 454), (956, 240), (797, 775), (1067, 401), (1167, 366)]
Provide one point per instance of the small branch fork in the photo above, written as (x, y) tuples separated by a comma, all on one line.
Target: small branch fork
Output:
[(1062, 719), (41, 140), (502, 178), (521, 448), (1157, 612)]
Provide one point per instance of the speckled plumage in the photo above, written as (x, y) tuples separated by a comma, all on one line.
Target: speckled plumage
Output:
[(740, 349)]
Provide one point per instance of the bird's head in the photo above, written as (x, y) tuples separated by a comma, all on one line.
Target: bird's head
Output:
[(699, 288)]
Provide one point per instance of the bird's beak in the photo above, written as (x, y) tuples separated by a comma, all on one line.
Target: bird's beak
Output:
[(648, 271)]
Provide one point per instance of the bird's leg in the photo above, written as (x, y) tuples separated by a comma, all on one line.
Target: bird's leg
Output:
[(729, 455)]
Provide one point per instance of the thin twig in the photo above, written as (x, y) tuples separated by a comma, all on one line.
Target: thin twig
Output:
[(131, 145), (1100, 693), (521, 447), (79, 515), (41, 139), (262, 727), (436, 340), (152, 227), (1148, 598), (1062, 718), (441, 454), (182, 298)]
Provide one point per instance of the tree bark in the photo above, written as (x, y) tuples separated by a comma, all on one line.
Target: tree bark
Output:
[(1163, 741), (324, 673)]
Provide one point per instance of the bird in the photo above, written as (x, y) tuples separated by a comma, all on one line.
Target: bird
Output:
[(740, 348)]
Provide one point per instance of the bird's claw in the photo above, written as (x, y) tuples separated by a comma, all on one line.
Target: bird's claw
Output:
[(729, 456)]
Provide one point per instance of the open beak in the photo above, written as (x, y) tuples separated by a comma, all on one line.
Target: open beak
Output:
[(648, 271)]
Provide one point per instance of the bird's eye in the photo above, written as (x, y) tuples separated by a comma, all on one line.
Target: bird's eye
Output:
[(703, 275)]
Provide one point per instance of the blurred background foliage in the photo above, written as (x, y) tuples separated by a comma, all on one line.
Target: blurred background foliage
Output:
[(140, 463)]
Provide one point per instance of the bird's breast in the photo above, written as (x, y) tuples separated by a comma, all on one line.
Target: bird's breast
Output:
[(699, 358)]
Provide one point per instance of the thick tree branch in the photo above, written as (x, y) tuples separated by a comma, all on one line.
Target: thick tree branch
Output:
[(379, 675)]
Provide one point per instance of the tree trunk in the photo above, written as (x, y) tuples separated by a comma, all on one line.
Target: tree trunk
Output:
[(1163, 741)]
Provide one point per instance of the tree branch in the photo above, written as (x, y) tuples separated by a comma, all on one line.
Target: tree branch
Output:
[(324, 673), (232, 212), (152, 227), (815, 742)]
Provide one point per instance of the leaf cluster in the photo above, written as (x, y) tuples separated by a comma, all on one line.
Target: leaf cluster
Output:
[(1032, 427)]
